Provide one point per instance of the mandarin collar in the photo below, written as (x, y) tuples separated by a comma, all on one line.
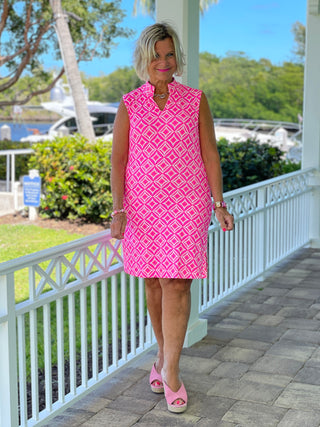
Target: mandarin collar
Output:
[(149, 88)]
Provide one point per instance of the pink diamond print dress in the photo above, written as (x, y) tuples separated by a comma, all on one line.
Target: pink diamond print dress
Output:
[(167, 194)]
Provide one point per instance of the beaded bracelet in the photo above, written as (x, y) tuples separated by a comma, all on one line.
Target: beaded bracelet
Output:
[(117, 212), (219, 205)]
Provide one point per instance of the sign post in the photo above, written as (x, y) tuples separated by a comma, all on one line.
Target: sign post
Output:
[(32, 192)]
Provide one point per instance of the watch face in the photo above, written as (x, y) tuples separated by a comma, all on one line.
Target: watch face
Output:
[(220, 205)]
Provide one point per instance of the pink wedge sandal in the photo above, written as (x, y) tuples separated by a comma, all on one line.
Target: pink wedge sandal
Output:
[(155, 380), (177, 401)]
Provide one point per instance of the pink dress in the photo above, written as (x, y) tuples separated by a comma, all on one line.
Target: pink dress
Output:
[(167, 194)]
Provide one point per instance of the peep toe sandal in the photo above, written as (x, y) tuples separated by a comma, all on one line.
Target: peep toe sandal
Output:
[(176, 401)]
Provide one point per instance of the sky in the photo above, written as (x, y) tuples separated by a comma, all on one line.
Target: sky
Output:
[(259, 28)]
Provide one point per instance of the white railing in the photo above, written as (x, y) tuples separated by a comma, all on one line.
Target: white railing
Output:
[(10, 165), (271, 222), (269, 127), (9, 188), (85, 318)]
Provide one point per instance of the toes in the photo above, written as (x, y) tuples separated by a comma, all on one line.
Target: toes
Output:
[(157, 383), (179, 402)]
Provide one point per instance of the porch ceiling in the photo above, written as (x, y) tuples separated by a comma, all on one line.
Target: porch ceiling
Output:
[(314, 7)]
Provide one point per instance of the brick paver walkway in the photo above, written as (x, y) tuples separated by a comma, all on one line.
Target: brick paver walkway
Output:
[(257, 367)]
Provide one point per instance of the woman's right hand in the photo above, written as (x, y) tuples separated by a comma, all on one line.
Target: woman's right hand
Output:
[(118, 225)]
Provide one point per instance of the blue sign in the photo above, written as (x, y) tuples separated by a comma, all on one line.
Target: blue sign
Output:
[(31, 191)]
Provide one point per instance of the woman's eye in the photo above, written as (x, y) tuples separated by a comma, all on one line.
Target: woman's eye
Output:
[(168, 55)]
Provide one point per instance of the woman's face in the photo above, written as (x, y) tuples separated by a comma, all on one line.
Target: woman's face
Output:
[(164, 65)]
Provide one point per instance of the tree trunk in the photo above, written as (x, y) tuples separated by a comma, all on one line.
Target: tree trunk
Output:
[(68, 54)]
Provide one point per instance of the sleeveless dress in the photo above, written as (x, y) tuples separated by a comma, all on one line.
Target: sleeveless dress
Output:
[(167, 194)]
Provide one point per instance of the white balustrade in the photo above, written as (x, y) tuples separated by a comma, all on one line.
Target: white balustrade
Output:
[(9, 189), (10, 165), (271, 222), (85, 318), (77, 313)]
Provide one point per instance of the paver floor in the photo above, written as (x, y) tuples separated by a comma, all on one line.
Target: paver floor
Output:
[(257, 367)]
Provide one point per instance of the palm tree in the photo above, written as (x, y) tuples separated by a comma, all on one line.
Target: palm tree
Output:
[(72, 71), (148, 6)]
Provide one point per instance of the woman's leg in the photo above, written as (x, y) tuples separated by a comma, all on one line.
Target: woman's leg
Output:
[(154, 304), (176, 303)]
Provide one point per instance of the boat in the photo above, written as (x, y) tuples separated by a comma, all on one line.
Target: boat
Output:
[(61, 102)]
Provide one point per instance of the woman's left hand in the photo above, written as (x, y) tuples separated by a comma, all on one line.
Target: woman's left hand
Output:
[(225, 219), (118, 225)]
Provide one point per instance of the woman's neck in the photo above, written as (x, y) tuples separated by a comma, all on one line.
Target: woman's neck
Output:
[(160, 86)]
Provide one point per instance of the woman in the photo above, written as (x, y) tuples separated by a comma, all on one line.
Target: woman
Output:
[(165, 166)]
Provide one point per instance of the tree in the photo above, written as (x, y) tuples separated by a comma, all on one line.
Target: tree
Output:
[(149, 6), (72, 70), (299, 32), (111, 87), (27, 33), (237, 86)]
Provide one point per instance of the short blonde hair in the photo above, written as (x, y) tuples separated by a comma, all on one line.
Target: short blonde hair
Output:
[(145, 48)]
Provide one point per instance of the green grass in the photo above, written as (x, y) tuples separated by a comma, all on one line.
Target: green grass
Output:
[(20, 240)]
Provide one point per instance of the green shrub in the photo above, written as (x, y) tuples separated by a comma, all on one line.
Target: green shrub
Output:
[(288, 166), (21, 161), (246, 163), (75, 178)]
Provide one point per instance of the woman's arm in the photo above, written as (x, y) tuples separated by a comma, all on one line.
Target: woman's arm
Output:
[(211, 160), (119, 158)]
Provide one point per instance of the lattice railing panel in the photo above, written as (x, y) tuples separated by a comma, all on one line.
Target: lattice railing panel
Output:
[(271, 221), (83, 320), (74, 267), (287, 188)]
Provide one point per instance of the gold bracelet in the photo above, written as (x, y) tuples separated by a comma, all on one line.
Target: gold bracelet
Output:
[(117, 212)]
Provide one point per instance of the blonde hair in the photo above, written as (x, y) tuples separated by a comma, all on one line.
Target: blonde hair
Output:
[(145, 48)]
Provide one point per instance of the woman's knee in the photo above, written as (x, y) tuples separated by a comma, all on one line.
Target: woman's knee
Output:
[(152, 283), (181, 286)]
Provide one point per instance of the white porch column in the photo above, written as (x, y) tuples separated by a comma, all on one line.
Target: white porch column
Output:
[(8, 355), (197, 328), (183, 15), (311, 114)]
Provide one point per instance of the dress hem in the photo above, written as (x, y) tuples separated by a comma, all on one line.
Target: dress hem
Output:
[(199, 276)]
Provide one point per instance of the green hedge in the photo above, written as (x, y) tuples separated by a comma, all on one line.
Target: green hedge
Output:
[(246, 163), (21, 161), (75, 178)]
